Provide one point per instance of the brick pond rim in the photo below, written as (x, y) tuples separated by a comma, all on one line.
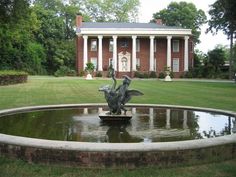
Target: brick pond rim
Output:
[(117, 155)]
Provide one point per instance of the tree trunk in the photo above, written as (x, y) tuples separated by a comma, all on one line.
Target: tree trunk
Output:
[(231, 57)]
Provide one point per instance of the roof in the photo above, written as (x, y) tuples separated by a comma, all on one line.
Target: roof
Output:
[(125, 25), (127, 29)]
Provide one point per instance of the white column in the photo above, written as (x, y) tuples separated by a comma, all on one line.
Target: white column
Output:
[(134, 123), (115, 52), (100, 110), (85, 111), (151, 117), (186, 53), (133, 110), (185, 125), (100, 53), (167, 118), (134, 53), (85, 51), (151, 67), (169, 51)]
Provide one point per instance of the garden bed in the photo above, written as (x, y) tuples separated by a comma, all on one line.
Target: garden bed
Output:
[(8, 77)]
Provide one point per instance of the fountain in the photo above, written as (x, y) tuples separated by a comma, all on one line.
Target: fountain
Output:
[(117, 98)]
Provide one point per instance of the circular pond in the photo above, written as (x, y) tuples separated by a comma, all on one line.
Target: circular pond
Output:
[(157, 135), (149, 124)]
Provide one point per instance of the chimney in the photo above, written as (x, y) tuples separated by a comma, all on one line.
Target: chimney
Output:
[(79, 20), (159, 21)]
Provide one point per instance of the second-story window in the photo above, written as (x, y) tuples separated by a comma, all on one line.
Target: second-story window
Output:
[(175, 45), (137, 45), (111, 45), (94, 45), (124, 43)]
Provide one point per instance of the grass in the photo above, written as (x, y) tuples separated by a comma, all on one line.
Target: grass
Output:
[(18, 168), (50, 90)]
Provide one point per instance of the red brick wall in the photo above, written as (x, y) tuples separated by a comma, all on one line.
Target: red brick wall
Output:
[(144, 54), (161, 54), (106, 53), (79, 53)]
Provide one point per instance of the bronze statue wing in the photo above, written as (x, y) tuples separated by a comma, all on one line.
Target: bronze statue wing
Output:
[(129, 94), (134, 93)]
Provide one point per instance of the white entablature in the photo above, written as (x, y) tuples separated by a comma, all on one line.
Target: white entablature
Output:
[(139, 32)]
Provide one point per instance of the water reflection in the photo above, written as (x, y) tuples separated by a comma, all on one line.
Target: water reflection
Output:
[(147, 125)]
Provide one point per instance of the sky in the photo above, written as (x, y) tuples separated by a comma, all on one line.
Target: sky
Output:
[(208, 41)]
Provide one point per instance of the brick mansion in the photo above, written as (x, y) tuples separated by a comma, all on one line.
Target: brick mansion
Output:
[(132, 47)]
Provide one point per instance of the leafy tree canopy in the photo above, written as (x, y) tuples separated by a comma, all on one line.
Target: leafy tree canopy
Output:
[(184, 15), (223, 17), (217, 57), (110, 10), (38, 36)]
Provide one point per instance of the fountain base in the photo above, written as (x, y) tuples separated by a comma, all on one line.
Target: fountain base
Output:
[(105, 116)]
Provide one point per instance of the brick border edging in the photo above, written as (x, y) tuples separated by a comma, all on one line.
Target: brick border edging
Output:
[(84, 154)]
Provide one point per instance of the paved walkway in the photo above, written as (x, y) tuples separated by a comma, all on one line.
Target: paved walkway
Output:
[(102, 78), (205, 80)]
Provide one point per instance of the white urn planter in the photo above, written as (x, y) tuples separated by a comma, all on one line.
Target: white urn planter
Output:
[(89, 77), (168, 78)]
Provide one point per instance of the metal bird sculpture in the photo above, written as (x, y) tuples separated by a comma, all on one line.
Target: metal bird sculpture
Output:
[(118, 97)]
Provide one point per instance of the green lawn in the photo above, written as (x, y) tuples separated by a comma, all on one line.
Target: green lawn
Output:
[(50, 90)]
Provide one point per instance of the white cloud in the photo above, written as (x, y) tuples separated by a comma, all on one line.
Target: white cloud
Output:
[(208, 41)]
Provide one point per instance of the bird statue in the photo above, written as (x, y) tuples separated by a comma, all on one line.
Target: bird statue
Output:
[(118, 97)]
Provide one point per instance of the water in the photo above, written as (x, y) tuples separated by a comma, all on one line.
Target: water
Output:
[(147, 125)]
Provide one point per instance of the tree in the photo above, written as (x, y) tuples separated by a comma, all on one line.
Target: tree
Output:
[(216, 58), (199, 58), (223, 17), (56, 34), (234, 56), (18, 47), (110, 10), (184, 15)]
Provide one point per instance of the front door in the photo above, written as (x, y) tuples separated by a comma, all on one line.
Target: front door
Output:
[(124, 62)]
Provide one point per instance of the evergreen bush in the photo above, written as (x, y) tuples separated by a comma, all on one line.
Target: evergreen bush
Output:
[(8, 77)]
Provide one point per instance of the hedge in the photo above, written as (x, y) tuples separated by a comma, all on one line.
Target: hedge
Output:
[(8, 77)]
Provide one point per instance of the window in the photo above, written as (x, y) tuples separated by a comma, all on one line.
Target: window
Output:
[(137, 45), (175, 45), (111, 45), (93, 44), (94, 61), (138, 63), (175, 65), (124, 44)]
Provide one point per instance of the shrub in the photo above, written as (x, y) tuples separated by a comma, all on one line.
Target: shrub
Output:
[(138, 74), (8, 77), (145, 75), (62, 71), (224, 75), (81, 73), (65, 71), (153, 74), (161, 75), (98, 74), (71, 72)]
